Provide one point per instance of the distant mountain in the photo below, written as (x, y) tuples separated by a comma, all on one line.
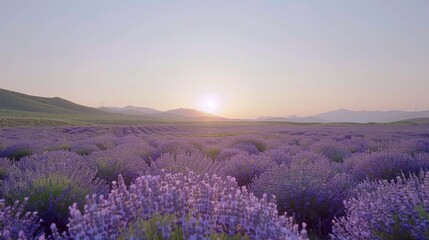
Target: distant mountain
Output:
[(14, 101), (417, 121), (180, 114), (292, 119), (131, 110), (14, 104), (188, 113), (407, 116), (343, 115)]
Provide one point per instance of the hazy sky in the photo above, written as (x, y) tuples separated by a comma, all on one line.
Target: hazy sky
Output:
[(248, 58)]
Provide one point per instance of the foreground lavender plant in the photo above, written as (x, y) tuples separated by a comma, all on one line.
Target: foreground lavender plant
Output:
[(15, 224), (387, 210), (5, 166), (251, 145), (181, 162), (111, 163), (386, 165), (53, 181), (312, 191), (332, 150), (179, 206), (19, 150), (244, 167)]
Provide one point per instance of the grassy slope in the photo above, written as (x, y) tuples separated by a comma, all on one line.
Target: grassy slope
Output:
[(18, 109), (14, 101)]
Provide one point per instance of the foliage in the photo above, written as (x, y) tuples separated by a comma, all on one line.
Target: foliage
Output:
[(244, 167), (312, 191), (311, 170), (181, 162), (53, 181), (15, 224), (387, 210), (386, 165), (179, 206)]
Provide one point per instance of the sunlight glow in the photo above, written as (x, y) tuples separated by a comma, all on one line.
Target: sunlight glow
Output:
[(209, 103)]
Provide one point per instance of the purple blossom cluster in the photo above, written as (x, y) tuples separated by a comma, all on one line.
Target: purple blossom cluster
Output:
[(181, 162), (118, 161), (385, 165), (5, 168), (15, 224), (245, 168), (312, 171), (52, 181), (396, 209), (185, 205), (251, 145), (311, 190)]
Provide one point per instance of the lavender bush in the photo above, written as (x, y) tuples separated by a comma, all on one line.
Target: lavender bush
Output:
[(175, 146), (179, 206), (227, 153), (311, 169), (387, 210), (244, 167), (5, 168), (15, 224), (313, 192), (181, 162), (386, 165), (20, 150), (112, 163), (251, 145), (332, 150), (53, 181)]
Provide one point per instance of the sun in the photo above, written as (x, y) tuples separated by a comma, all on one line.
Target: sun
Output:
[(209, 103)]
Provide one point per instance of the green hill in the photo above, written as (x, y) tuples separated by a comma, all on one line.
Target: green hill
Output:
[(14, 101), (17, 109)]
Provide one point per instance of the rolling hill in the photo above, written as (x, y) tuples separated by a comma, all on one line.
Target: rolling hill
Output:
[(180, 114), (349, 116), (292, 119), (22, 108), (131, 110), (343, 115), (17, 107), (14, 101)]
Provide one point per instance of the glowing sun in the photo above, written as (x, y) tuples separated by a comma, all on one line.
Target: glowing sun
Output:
[(211, 106), (210, 103)]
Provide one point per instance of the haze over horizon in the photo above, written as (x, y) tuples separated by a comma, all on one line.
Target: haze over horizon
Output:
[(241, 59)]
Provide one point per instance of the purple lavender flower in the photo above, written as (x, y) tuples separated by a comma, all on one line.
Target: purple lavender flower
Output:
[(332, 150), (244, 167), (312, 191), (114, 162), (387, 210), (5, 168), (182, 205), (53, 181), (251, 145), (15, 224), (181, 162), (385, 165)]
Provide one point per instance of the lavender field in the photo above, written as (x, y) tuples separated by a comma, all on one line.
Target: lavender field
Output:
[(215, 181)]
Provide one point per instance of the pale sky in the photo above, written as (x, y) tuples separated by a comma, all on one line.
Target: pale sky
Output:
[(238, 59)]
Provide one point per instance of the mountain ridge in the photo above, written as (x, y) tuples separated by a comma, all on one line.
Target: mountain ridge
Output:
[(15, 104), (19, 104), (363, 116)]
